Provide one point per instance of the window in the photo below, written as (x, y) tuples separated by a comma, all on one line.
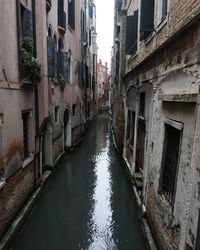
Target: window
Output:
[(51, 54), (61, 15), (130, 127), (170, 161), (131, 33), (71, 14), (26, 22), (164, 8), (25, 118), (64, 62), (25, 39), (57, 114), (90, 37), (147, 19), (142, 105), (74, 109)]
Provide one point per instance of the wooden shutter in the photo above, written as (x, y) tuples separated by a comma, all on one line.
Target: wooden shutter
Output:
[(51, 57), (164, 8), (91, 10), (147, 18), (71, 13), (66, 66), (60, 63), (27, 28), (131, 33)]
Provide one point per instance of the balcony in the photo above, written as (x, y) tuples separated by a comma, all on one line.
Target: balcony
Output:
[(48, 5), (62, 21)]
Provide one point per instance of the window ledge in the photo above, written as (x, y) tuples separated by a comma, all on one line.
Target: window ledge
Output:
[(61, 28), (141, 117), (2, 184), (192, 98), (149, 38), (27, 161), (26, 82), (132, 57)]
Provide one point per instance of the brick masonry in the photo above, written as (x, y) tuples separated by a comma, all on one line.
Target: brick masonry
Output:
[(15, 193), (180, 13)]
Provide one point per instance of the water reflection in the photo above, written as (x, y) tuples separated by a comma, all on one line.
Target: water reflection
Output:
[(88, 203)]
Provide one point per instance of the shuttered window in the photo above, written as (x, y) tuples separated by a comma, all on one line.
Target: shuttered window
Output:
[(26, 22), (64, 65), (131, 33), (71, 14), (51, 56), (61, 15), (147, 18), (91, 10)]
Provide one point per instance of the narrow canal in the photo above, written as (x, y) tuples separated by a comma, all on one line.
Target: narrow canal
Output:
[(88, 204)]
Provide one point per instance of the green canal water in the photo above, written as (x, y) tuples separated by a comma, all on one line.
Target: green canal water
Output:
[(88, 203)]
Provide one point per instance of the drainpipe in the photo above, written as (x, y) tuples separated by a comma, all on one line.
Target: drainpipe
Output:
[(35, 85)]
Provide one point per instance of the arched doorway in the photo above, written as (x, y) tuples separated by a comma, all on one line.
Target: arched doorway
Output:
[(67, 129), (46, 160)]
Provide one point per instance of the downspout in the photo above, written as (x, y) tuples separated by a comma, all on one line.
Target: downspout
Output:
[(35, 91)]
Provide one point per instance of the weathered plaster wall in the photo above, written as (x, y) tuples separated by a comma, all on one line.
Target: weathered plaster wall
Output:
[(175, 77)]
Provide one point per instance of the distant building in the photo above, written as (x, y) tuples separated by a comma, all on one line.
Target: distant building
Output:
[(155, 87), (102, 86)]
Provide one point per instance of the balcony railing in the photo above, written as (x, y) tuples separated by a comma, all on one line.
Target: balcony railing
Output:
[(48, 5), (62, 20)]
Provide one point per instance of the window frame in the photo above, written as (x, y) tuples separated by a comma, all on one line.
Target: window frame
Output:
[(71, 16), (130, 133), (161, 19), (74, 109), (179, 127), (57, 114), (26, 146)]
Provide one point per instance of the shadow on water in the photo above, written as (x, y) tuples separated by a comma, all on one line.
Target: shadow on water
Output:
[(88, 203)]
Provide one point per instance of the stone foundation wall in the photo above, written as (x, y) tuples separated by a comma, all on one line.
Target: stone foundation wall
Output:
[(166, 234), (76, 134), (13, 195)]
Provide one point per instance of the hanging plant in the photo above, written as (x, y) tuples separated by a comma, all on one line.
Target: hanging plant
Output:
[(31, 69), (61, 81)]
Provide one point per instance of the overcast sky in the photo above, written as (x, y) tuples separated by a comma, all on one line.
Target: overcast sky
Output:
[(105, 20)]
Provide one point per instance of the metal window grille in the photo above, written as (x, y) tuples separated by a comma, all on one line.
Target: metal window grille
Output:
[(25, 118), (170, 161)]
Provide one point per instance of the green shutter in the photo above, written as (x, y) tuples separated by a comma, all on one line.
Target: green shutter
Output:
[(147, 18)]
